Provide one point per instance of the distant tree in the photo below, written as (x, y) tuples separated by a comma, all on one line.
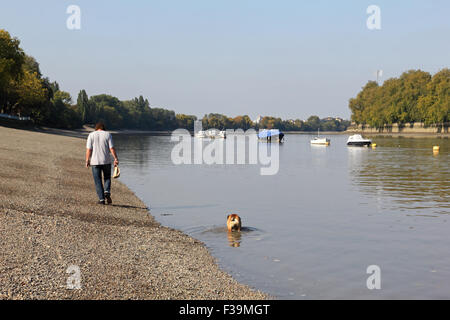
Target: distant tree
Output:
[(109, 109), (217, 121), (32, 66), (63, 115), (163, 119), (84, 108), (435, 106), (27, 93), (242, 122), (52, 87), (142, 105), (413, 97), (185, 121), (271, 123), (11, 61), (313, 123)]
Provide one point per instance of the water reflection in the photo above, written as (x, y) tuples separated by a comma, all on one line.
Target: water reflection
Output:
[(405, 173), (234, 238), (145, 151)]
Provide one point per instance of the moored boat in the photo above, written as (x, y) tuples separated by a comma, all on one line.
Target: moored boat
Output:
[(320, 141), (200, 134), (358, 140), (216, 134), (211, 134), (268, 134)]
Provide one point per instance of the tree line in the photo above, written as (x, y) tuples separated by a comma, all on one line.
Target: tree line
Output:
[(24, 91), (314, 123), (415, 96)]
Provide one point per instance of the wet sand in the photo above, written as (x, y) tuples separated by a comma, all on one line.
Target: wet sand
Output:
[(49, 221)]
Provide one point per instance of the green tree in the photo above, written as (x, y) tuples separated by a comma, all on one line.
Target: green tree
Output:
[(84, 107), (28, 94), (413, 97), (11, 61), (312, 124), (185, 121), (32, 66), (435, 106)]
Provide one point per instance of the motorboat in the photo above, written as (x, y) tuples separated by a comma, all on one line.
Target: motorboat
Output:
[(358, 140), (216, 134), (211, 134), (201, 134), (267, 135)]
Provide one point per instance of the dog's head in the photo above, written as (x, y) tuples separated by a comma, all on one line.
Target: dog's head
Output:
[(234, 222)]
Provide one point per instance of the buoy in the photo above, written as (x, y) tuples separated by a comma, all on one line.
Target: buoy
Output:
[(374, 145), (435, 150)]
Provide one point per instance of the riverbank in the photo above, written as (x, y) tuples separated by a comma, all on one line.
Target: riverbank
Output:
[(84, 132), (49, 221), (399, 134), (413, 129)]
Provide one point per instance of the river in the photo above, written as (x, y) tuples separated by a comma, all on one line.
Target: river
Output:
[(311, 230)]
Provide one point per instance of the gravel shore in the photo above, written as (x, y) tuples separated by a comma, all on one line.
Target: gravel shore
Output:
[(49, 221)]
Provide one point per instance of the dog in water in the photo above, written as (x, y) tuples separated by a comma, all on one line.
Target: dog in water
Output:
[(234, 223)]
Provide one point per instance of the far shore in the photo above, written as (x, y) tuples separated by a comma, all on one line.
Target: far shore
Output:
[(401, 134), (84, 132)]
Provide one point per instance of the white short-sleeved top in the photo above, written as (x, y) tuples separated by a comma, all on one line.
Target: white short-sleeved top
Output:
[(100, 142)]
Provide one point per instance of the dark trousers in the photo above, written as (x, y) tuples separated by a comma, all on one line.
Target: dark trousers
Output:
[(99, 187)]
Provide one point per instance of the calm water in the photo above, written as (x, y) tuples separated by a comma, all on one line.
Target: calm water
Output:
[(314, 228)]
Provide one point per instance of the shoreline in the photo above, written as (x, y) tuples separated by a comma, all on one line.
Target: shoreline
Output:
[(401, 134), (50, 222), (84, 132)]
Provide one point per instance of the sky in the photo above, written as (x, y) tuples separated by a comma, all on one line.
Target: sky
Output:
[(286, 58)]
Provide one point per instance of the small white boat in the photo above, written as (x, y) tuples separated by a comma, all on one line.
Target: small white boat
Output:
[(216, 134), (320, 141), (358, 140), (211, 134), (201, 134)]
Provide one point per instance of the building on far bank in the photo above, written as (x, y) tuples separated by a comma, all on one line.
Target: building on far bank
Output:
[(258, 120), (333, 119)]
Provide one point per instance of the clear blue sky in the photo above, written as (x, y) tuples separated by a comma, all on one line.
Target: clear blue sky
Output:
[(284, 58)]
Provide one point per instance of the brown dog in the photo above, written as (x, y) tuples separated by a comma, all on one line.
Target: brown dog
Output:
[(234, 223)]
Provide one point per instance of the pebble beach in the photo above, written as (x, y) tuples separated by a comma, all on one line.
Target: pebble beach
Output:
[(50, 222)]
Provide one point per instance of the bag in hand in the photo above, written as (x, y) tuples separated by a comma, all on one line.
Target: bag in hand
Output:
[(116, 172)]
